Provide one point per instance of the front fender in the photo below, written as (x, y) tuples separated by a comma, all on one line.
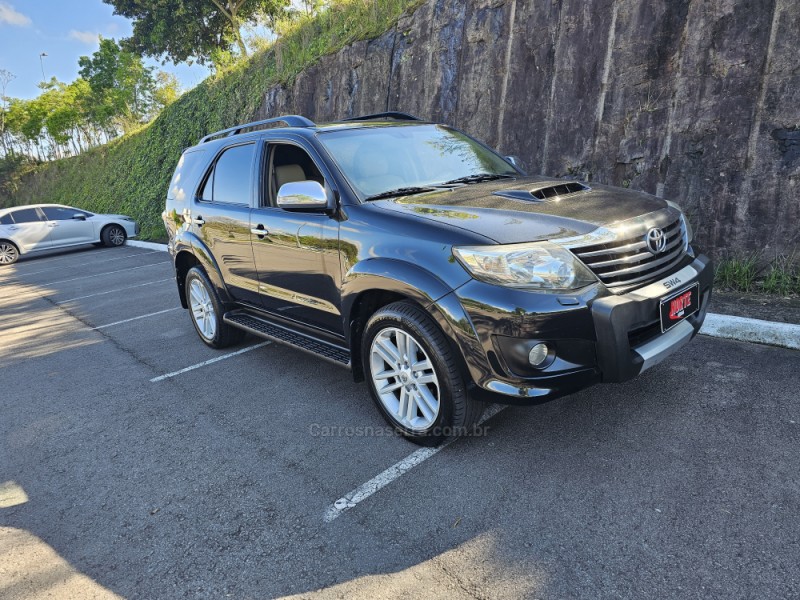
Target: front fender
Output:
[(427, 290), (391, 275)]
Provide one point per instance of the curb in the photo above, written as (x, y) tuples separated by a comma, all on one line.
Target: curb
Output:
[(744, 329), (148, 245), (729, 327)]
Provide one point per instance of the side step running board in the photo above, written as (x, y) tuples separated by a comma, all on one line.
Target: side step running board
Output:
[(272, 331)]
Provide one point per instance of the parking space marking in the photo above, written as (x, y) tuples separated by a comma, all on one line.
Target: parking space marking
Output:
[(160, 312), (208, 362), (130, 287), (163, 262), (94, 262), (380, 481), (56, 256)]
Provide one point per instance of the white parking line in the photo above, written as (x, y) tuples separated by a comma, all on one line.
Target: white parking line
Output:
[(380, 481), (130, 287), (94, 262), (209, 362), (160, 312), (105, 273)]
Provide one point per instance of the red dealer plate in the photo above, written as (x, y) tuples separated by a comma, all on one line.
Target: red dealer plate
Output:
[(677, 307)]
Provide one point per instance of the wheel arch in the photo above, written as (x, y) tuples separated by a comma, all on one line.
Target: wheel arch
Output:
[(112, 224), (374, 283), (188, 252)]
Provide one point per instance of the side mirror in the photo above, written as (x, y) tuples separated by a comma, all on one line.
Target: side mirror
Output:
[(516, 161), (79, 217), (302, 195)]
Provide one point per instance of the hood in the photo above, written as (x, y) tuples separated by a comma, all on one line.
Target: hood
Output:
[(508, 212)]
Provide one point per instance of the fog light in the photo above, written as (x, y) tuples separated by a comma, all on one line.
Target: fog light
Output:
[(538, 354)]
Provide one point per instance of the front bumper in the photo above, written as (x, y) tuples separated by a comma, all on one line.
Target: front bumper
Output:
[(596, 336)]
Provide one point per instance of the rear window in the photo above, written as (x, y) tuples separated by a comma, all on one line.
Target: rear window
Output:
[(188, 171), (26, 215), (6, 220), (228, 180), (232, 175)]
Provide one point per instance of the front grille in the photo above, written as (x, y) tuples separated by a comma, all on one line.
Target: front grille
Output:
[(626, 262)]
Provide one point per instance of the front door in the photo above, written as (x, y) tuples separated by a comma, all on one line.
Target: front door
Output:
[(296, 253), (65, 229)]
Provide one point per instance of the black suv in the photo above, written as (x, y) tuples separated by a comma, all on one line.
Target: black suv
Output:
[(428, 265)]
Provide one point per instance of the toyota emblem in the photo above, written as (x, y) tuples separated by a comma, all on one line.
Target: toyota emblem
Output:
[(656, 240)]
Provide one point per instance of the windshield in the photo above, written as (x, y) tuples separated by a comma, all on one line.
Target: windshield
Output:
[(378, 160)]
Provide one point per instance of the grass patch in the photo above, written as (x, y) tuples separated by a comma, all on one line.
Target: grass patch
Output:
[(783, 277), (130, 175), (737, 273), (780, 276), (304, 39)]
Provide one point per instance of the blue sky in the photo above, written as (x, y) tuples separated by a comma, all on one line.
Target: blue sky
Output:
[(65, 30)]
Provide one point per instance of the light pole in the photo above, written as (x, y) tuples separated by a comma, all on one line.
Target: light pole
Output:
[(41, 63)]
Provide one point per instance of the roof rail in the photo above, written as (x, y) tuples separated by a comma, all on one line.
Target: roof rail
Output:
[(289, 120), (397, 116)]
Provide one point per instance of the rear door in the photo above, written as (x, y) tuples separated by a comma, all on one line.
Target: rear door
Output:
[(65, 229), (30, 231), (221, 218)]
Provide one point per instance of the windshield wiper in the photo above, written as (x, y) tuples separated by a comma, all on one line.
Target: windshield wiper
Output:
[(477, 178), (403, 191)]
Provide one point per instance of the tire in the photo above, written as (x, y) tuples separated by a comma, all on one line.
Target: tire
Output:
[(427, 404), (9, 253), (113, 236), (206, 310)]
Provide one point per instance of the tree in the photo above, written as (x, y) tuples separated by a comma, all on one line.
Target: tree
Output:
[(182, 30), (167, 90), (121, 85), (6, 77)]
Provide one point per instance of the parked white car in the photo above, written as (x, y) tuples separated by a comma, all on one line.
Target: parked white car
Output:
[(37, 227)]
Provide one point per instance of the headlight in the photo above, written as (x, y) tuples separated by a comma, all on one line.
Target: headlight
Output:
[(538, 265)]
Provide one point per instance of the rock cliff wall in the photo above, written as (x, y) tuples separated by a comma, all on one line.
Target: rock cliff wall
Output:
[(694, 100)]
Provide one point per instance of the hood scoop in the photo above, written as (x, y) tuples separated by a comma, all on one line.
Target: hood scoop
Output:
[(546, 191)]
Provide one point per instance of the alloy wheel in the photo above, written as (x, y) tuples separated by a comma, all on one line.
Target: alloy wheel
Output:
[(117, 236), (404, 378), (203, 313), (8, 254)]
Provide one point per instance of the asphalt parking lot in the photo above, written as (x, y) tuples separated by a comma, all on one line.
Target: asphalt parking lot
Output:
[(127, 470)]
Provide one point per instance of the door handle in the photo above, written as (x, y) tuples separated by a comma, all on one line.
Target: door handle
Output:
[(199, 221), (13, 227), (52, 224), (259, 231)]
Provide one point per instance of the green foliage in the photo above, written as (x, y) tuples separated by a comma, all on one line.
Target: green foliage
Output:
[(304, 37), (121, 86), (737, 273), (130, 175), (783, 277), (780, 276), (182, 30)]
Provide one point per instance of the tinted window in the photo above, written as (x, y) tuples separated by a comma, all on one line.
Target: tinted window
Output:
[(26, 215), (232, 175), (58, 213), (6, 220)]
